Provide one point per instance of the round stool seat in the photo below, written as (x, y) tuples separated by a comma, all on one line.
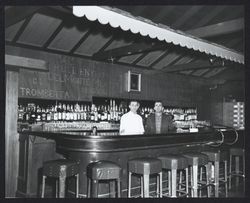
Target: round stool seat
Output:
[(194, 158), (173, 161), (53, 168), (103, 170), (145, 165), (236, 151)]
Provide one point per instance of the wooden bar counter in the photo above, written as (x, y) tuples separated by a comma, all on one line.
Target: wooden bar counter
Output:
[(38, 146)]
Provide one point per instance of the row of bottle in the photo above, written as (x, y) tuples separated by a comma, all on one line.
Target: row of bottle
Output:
[(63, 112), (68, 112)]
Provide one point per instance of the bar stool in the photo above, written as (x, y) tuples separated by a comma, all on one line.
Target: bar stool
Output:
[(102, 170), (217, 156), (174, 163), (194, 161), (145, 167), (236, 153), (214, 160), (60, 169)]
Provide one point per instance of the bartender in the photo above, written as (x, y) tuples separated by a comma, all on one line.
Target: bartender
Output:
[(159, 122), (131, 122)]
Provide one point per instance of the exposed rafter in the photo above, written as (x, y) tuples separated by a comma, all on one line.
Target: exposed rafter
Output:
[(128, 50), (15, 14), (196, 66), (24, 62), (218, 29)]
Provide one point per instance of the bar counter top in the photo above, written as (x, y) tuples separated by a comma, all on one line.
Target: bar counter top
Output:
[(77, 141)]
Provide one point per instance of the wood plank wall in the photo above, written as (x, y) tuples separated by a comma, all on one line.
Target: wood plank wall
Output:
[(102, 79)]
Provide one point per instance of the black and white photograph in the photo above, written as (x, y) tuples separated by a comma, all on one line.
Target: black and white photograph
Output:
[(125, 101)]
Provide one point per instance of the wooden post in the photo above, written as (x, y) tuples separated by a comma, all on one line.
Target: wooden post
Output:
[(12, 65), (11, 135)]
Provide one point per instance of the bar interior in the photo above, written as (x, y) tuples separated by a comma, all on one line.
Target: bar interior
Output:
[(124, 101)]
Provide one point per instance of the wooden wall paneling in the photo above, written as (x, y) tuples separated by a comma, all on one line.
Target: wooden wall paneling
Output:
[(11, 135), (86, 78)]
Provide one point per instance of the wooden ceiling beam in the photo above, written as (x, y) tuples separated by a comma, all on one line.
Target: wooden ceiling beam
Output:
[(15, 14), (128, 50), (195, 66), (186, 16), (226, 27), (24, 62)]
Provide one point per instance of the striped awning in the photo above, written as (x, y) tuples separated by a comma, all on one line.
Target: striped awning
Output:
[(125, 21)]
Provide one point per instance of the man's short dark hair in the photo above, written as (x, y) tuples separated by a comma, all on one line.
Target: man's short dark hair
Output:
[(134, 101), (158, 101)]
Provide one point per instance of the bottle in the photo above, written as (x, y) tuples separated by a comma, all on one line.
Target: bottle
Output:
[(37, 115), (67, 113), (75, 112), (63, 112), (33, 115), (92, 114), (48, 115), (71, 113), (108, 114), (20, 116), (88, 114), (26, 116), (55, 113), (95, 114), (43, 115)]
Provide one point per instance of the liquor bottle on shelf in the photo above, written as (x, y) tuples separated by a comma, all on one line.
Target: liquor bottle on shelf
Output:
[(55, 113), (48, 114), (59, 112), (38, 114), (33, 115), (26, 116), (95, 114), (108, 114), (21, 112), (63, 112), (43, 115)]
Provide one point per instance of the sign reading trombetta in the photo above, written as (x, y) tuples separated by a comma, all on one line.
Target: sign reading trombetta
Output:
[(67, 79)]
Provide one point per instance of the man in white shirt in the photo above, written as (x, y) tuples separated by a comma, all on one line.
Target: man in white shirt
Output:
[(131, 123)]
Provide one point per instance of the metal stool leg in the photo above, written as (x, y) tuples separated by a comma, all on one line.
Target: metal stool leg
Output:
[(94, 189), (157, 185), (169, 183), (216, 177), (173, 186), (201, 171), (226, 178), (208, 178), (43, 186), (180, 180), (142, 195), (146, 185), (237, 169), (56, 188), (118, 187), (77, 185), (243, 159), (160, 177), (191, 181), (88, 187), (62, 187), (187, 180), (195, 181), (129, 184), (230, 171)]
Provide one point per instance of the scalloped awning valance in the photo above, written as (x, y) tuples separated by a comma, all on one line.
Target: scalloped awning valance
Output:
[(117, 18)]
